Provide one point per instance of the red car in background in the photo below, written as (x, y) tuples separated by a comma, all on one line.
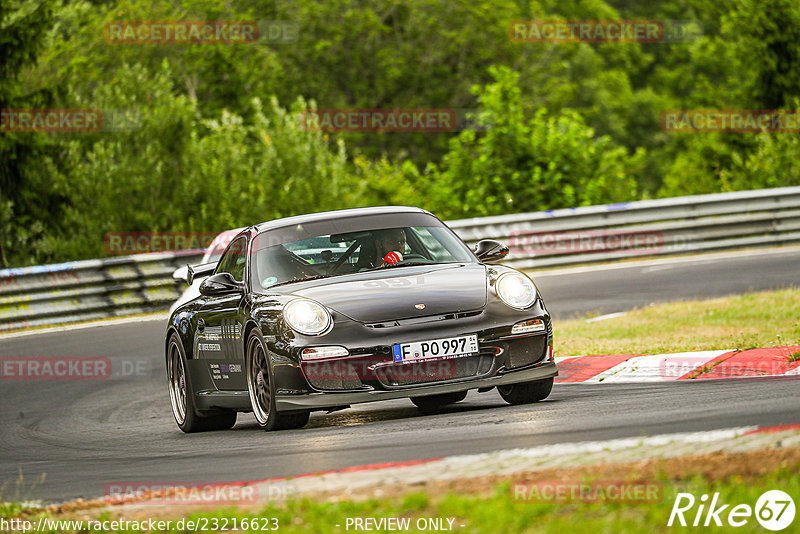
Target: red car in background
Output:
[(211, 254)]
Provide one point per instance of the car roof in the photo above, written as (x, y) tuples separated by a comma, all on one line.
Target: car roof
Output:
[(336, 214)]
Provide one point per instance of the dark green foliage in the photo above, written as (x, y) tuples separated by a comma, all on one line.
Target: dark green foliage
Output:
[(212, 137), (29, 205)]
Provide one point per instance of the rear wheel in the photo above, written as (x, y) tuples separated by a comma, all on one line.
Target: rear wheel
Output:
[(526, 392), (261, 387), (434, 402), (181, 396)]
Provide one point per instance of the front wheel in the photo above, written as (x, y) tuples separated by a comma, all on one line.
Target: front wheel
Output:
[(261, 386), (181, 396), (431, 403), (526, 392)]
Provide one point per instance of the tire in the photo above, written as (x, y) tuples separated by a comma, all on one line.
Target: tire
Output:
[(181, 395), (431, 403), (526, 392), (261, 387)]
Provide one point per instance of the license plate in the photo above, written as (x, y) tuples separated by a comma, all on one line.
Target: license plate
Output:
[(447, 347)]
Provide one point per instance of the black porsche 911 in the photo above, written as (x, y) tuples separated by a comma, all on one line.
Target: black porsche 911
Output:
[(321, 311)]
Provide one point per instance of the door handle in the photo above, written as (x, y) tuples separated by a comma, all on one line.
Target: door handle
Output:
[(201, 325)]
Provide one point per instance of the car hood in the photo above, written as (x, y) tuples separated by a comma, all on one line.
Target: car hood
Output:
[(395, 293)]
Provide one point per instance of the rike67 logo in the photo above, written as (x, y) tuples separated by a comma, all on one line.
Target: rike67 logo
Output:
[(774, 510)]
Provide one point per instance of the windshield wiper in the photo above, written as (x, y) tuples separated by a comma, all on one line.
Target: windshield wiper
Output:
[(306, 279), (413, 263), (408, 264)]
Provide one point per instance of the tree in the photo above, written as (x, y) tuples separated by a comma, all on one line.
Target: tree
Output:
[(769, 40), (27, 200), (528, 164), (170, 169)]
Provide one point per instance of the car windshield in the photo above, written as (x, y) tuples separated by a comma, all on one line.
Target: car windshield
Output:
[(353, 251)]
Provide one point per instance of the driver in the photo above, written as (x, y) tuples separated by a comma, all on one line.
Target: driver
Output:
[(390, 245)]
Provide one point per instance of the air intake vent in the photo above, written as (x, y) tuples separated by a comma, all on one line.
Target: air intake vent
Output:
[(410, 321), (411, 374)]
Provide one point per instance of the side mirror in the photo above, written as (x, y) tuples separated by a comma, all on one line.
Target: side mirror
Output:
[(220, 284), (196, 272), (181, 274), (490, 250)]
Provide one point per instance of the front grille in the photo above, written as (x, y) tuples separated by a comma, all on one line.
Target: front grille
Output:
[(411, 374), (411, 321), (525, 351), (334, 383), (332, 375)]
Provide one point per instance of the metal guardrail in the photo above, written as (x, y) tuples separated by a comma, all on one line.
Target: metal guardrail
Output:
[(681, 225), (91, 289)]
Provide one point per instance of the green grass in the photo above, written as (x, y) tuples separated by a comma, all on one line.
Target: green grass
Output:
[(764, 319), (15, 496), (501, 513)]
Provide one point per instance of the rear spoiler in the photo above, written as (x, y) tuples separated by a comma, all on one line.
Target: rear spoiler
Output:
[(199, 271)]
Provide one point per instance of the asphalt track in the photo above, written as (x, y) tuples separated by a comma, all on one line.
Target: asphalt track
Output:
[(84, 435)]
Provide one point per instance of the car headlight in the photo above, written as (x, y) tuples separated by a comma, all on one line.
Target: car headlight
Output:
[(307, 317), (516, 290)]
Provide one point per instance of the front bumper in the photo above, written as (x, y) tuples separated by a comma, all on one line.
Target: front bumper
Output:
[(320, 400), (370, 374)]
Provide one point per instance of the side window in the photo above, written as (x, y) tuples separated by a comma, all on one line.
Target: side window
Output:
[(234, 259)]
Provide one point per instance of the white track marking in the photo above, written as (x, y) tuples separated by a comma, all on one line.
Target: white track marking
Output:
[(92, 324), (583, 447), (697, 258), (657, 368), (606, 316)]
